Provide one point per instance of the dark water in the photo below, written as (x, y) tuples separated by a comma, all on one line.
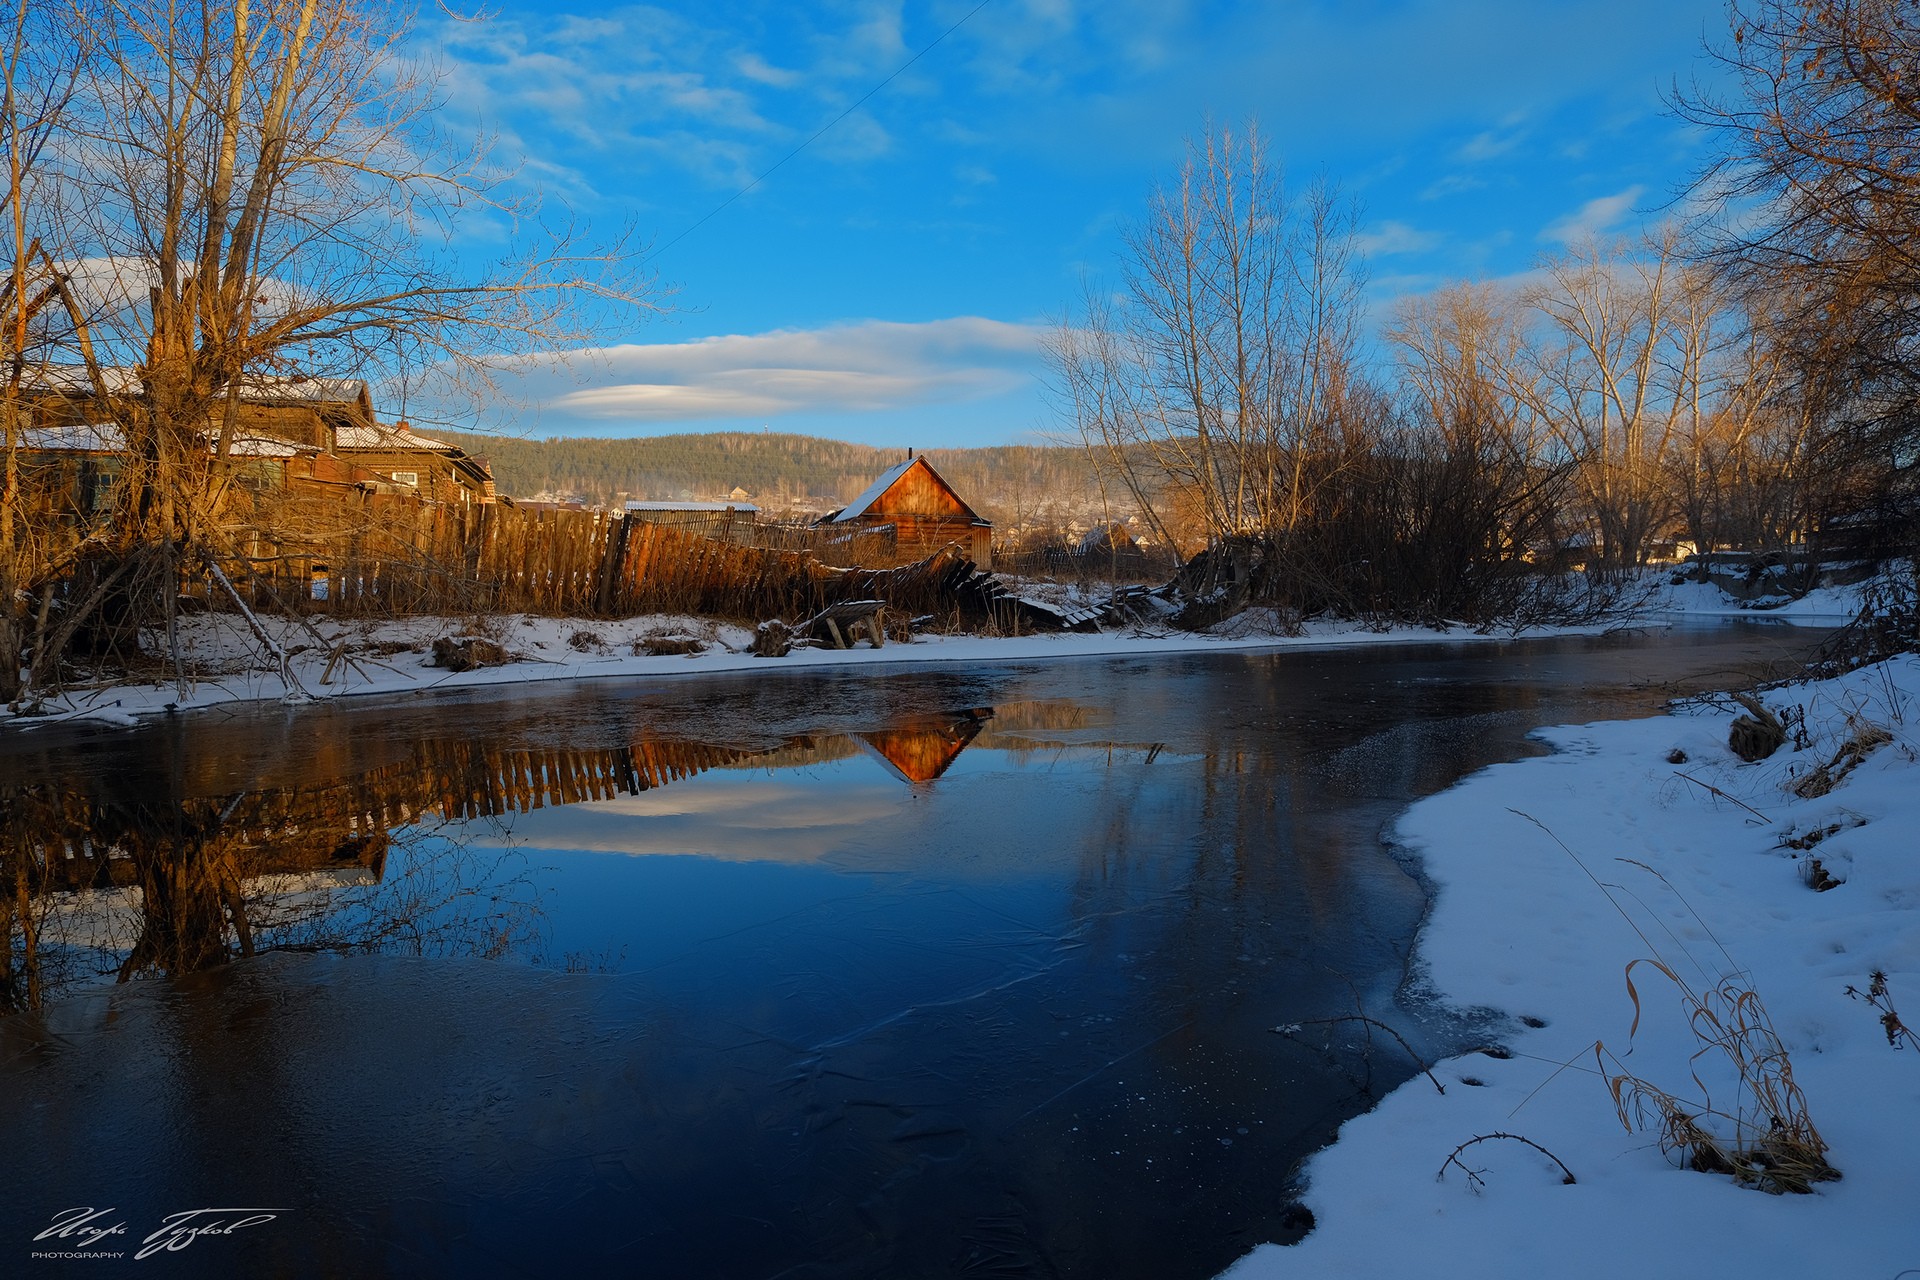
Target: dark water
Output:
[(925, 973)]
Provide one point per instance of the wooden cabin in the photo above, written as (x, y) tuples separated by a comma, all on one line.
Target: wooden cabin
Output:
[(417, 464), (923, 511), (288, 432)]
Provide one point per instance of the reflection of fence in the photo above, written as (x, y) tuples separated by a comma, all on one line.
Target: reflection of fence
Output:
[(67, 839), (394, 554)]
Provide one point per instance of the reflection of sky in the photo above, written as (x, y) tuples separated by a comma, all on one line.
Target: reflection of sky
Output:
[(788, 815), (843, 867), (856, 809)]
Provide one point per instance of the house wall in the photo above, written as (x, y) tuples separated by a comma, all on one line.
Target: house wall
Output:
[(297, 423), (440, 479), (920, 536), (926, 516), (918, 494)]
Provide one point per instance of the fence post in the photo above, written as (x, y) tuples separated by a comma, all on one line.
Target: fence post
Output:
[(612, 557)]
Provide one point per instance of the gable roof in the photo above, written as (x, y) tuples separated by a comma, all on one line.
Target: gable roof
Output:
[(388, 436), (890, 477)]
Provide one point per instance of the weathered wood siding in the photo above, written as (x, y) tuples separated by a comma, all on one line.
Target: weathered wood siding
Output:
[(927, 515)]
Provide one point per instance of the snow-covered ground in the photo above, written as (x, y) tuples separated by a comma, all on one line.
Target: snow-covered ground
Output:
[(227, 664), (1560, 884), (224, 662)]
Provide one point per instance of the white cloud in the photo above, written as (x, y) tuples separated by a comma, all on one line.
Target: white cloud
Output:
[(866, 367), (1593, 219), (1386, 238), (1489, 145), (756, 68), (1452, 184)]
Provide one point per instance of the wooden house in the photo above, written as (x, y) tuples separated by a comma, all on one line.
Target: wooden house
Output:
[(416, 464), (922, 510), (319, 434), (920, 749)]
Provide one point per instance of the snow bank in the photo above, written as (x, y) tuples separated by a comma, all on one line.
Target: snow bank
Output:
[(1650, 839), (225, 662)]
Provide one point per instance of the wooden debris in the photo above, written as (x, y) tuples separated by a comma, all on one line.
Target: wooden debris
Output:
[(842, 624)]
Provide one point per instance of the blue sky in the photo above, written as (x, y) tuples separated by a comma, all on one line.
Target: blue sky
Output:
[(889, 283)]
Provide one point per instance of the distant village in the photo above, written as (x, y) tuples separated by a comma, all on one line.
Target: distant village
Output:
[(321, 439)]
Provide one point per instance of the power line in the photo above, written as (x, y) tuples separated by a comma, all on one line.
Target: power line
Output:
[(821, 131)]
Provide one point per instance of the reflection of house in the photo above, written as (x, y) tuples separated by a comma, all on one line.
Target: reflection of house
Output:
[(923, 511), (922, 750)]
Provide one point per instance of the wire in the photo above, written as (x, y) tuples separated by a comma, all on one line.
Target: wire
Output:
[(821, 131)]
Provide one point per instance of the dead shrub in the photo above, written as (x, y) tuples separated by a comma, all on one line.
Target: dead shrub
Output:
[(668, 646), (1764, 1138), (1862, 741), (466, 653), (1899, 1034)]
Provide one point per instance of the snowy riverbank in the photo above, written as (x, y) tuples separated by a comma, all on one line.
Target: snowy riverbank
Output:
[(1640, 841), (225, 663)]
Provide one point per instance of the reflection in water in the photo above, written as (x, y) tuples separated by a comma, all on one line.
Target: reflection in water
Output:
[(888, 987), (184, 883)]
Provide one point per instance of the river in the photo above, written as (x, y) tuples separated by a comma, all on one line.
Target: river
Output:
[(928, 972)]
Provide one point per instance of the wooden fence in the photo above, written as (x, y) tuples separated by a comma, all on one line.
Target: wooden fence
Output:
[(392, 555)]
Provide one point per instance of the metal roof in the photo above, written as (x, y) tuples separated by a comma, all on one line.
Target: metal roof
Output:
[(871, 494)]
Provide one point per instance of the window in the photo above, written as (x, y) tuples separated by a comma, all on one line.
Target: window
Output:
[(407, 477)]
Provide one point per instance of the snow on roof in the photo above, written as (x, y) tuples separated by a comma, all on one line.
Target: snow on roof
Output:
[(317, 390), (72, 378), (77, 437), (691, 506), (106, 437), (265, 447), (123, 379), (387, 436), (871, 494)]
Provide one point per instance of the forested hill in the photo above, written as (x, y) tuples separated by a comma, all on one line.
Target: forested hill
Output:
[(778, 470)]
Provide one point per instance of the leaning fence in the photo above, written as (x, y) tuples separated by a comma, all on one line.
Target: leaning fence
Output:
[(384, 554)]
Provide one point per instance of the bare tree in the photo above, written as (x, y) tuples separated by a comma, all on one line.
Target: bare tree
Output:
[(1813, 204), (47, 48), (1218, 378), (1616, 366), (258, 189)]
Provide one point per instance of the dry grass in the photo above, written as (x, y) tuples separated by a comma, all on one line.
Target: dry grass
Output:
[(1763, 1137), (1899, 1034), (1863, 739), (1762, 1134)]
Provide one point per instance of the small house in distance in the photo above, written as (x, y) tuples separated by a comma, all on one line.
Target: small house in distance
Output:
[(923, 511)]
